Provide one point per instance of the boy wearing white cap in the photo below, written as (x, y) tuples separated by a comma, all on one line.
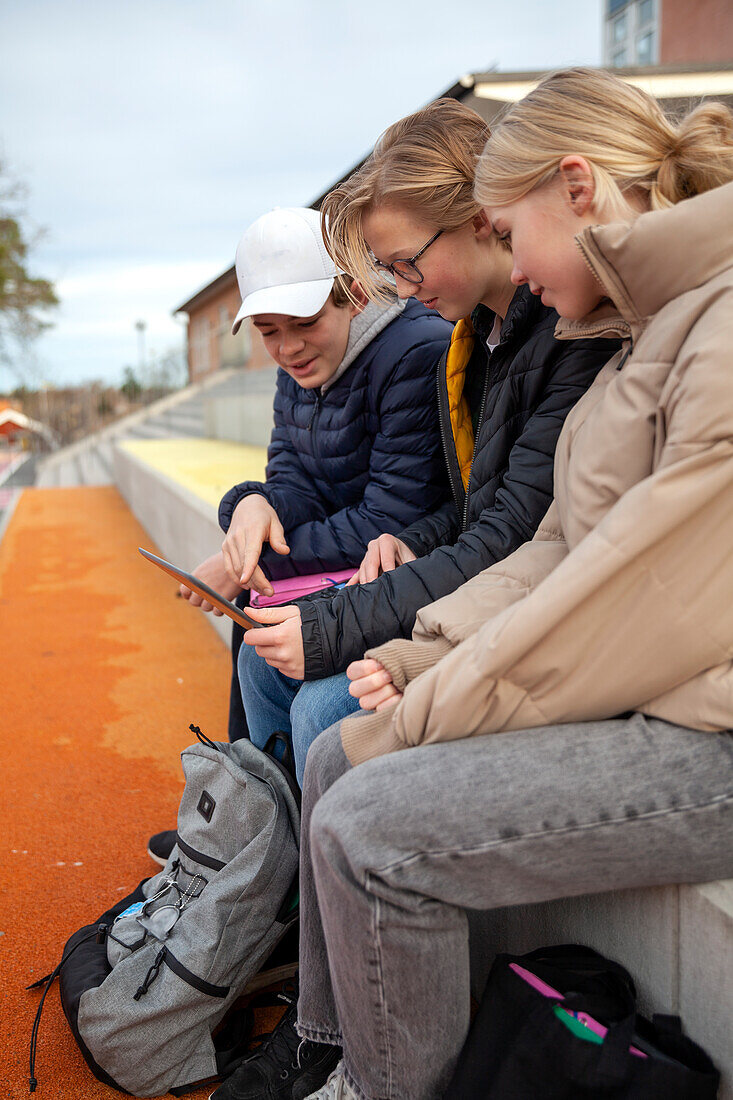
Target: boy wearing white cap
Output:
[(356, 448)]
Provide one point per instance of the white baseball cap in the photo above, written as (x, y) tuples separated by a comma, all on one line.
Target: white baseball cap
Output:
[(282, 265)]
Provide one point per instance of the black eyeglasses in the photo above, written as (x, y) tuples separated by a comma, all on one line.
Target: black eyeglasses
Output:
[(407, 269)]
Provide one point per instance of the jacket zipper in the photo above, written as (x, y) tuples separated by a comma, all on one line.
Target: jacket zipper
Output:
[(316, 407), (444, 441), (594, 271), (475, 444)]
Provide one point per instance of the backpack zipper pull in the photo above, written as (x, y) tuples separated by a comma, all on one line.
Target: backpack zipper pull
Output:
[(152, 974), (203, 738)]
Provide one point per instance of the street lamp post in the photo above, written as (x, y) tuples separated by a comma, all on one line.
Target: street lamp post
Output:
[(141, 326)]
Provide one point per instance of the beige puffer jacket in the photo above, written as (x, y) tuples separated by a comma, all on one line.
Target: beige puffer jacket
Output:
[(624, 598)]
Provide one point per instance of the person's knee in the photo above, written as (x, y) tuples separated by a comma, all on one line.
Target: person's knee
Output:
[(308, 710), (245, 660), (308, 718), (320, 703)]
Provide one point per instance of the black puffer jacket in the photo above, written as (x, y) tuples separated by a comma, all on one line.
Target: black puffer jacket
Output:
[(531, 381)]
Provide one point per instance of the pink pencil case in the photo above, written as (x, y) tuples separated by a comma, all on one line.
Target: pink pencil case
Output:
[(291, 588), (547, 991)]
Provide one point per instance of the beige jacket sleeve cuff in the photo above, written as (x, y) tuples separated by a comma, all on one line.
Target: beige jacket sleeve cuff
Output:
[(366, 735), (369, 734), (406, 660)]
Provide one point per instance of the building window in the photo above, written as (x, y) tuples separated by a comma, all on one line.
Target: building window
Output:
[(630, 34), (223, 318), (645, 49), (646, 12), (200, 346)]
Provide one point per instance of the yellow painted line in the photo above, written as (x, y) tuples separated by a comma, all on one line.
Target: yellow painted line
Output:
[(206, 467)]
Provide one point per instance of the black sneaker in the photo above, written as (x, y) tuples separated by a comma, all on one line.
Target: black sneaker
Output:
[(161, 845), (285, 1067)]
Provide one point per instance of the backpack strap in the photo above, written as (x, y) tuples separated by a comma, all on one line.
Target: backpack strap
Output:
[(49, 979), (280, 741)]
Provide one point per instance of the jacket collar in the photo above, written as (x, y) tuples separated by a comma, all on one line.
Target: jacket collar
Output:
[(660, 256), (363, 329), (521, 314)]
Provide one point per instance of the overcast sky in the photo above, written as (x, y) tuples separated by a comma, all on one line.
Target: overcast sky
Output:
[(149, 133)]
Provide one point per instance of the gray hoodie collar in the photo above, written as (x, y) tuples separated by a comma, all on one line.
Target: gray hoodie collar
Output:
[(364, 327)]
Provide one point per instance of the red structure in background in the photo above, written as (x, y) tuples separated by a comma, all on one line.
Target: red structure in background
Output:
[(19, 430), (699, 32)]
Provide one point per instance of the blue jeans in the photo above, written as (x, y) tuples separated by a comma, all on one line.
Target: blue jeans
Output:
[(300, 710)]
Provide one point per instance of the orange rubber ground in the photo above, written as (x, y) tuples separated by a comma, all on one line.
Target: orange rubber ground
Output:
[(102, 670)]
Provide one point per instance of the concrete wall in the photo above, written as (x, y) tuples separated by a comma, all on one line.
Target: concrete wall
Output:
[(184, 527), (242, 419)]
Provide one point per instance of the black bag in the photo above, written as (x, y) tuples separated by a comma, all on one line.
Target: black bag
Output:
[(524, 1044)]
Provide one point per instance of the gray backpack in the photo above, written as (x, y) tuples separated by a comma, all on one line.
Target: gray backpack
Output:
[(145, 985)]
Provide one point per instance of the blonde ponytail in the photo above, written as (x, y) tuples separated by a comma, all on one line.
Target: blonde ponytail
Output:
[(701, 156), (635, 152)]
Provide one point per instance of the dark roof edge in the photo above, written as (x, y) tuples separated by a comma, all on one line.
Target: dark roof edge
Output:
[(207, 291), (494, 77)]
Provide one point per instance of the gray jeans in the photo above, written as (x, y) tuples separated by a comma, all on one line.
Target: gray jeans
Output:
[(394, 852)]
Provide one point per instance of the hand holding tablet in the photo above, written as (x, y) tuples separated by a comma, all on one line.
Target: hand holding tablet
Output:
[(225, 606)]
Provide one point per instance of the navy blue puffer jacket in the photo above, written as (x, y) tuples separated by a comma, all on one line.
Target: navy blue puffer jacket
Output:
[(362, 457)]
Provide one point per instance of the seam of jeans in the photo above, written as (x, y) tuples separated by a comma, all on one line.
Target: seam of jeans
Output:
[(691, 807), (377, 939)]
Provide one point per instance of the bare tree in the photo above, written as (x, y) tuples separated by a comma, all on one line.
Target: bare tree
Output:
[(24, 299)]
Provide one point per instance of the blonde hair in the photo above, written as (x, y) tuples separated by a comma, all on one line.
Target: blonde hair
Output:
[(424, 163), (633, 149)]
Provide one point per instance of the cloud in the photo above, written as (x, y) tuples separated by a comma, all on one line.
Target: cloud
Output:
[(151, 134), (142, 282)]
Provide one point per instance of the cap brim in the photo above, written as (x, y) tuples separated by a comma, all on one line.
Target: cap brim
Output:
[(293, 300)]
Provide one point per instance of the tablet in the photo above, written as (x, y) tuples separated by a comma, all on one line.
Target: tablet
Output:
[(202, 590)]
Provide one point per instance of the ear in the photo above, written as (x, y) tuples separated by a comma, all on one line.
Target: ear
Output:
[(481, 226), (579, 187), (361, 299)]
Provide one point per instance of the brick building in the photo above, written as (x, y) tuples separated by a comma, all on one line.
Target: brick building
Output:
[(667, 32)]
